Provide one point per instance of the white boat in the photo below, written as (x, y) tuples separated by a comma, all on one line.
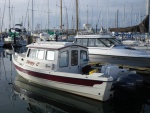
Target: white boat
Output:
[(136, 44), (64, 66), (107, 49), (9, 41), (44, 36)]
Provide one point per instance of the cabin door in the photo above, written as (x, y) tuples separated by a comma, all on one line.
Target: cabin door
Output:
[(74, 61)]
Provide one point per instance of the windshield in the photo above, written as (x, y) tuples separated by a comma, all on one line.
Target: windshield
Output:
[(108, 42), (98, 42)]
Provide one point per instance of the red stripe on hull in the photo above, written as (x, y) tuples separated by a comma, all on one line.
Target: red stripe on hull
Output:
[(60, 78)]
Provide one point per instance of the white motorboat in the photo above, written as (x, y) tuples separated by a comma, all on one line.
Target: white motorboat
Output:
[(64, 66), (107, 49)]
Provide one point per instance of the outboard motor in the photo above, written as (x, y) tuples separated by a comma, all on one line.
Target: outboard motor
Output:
[(131, 82), (128, 87)]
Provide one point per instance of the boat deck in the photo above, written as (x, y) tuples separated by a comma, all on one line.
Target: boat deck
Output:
[(139, 70)]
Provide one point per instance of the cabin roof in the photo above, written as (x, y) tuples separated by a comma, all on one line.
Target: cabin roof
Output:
[(53, 45), (94, 36)]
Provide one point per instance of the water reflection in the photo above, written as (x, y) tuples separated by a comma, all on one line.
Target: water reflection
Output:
[(5, 52), (46, 100)]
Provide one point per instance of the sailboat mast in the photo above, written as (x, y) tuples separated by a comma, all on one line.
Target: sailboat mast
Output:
[(60, 14), (87, 14), (3, 17), (124, 16), (9, 15), (77, 15), (32, 17), (48, 14), (116, 19), (148, 9)]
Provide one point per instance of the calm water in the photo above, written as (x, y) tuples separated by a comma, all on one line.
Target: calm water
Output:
[(17, 95)]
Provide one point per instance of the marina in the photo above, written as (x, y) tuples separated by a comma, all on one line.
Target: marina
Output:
[(74, 56)]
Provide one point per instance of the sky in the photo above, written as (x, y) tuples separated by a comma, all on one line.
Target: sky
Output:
[(95, 12)]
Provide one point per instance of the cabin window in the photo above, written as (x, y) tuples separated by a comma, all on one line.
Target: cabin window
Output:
[(74, 57), (32, 53), (82, 42), (40, 54), (91, 43), (83, 57), (107, 42), (85, 42), (99, 43), (79, 41), (64, 59), (50, 55)]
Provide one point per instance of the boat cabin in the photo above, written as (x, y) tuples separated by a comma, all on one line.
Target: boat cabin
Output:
[(95, 40), (56, 56)]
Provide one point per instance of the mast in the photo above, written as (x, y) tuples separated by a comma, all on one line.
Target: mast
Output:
[(148, 9), (116, 19), (67, 20), (147, 13), (77, 15), (3, 17), (9, 16), (87, 14), (32, 17), (60, 14), (48, 15), (131, 15), (124, 16)]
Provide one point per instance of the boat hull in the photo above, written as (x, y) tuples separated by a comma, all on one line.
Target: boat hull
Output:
[(120, 60), (95, 92)]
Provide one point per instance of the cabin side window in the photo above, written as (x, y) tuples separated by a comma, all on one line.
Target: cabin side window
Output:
[(64, 59), (32, 53), (91, 43), (78, 41), (40, 54), (83, 57), (74, 57), (85, 42), (98, 43), (50, 55)]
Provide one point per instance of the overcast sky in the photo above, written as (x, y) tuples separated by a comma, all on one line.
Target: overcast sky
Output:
[(100, 12)]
